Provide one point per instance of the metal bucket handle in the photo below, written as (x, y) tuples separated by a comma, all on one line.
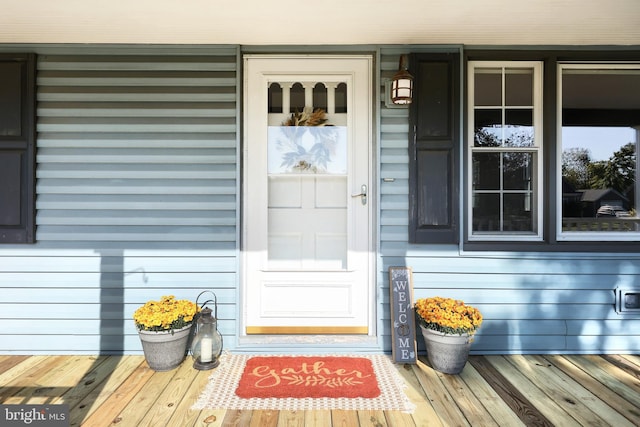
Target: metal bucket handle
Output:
[(214, 300)]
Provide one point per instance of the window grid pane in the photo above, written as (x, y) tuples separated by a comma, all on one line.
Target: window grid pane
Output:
[(504, 169)]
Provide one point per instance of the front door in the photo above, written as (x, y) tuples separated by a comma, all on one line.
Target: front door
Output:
[(307, 215)]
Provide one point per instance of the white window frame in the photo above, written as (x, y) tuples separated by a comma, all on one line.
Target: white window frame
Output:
[(585, 236), (537, 150)]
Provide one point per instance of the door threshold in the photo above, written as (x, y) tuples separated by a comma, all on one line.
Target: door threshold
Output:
[(308, 343)]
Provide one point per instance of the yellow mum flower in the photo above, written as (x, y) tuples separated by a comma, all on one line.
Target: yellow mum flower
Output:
[(448, 315), (165, 315)]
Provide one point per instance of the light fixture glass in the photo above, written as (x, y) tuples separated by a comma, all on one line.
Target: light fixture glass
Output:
[(402, 84)]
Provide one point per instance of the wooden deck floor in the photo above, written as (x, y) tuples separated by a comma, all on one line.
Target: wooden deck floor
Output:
[(491, 391)]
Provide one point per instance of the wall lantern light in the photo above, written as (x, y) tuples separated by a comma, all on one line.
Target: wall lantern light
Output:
[(207, 341), (402, 84)]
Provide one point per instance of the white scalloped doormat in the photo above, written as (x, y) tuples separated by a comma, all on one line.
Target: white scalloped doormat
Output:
[(220, 391)]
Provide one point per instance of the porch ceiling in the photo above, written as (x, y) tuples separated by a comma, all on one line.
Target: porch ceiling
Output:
[(330, 22)]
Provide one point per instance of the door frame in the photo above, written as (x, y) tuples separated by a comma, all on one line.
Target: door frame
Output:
[(326, 340)]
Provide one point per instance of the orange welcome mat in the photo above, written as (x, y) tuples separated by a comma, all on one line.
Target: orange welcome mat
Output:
[(266, 382), (308, 376)]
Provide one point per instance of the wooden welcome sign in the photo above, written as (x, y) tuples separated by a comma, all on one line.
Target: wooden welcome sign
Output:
[(403, 324)]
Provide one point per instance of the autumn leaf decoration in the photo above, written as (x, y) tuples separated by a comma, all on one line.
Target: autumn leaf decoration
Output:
[(307, 117), (307, 157)]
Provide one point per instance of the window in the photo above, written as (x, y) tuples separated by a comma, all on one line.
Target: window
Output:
[(598, 141), (17, 151), (568, 184), (505, 151)]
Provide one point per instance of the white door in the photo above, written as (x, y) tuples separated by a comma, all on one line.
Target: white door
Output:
[(307, 234)]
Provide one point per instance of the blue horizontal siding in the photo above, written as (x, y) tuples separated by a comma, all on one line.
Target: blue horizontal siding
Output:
[(137, 179), (531, 302), (137, 184)]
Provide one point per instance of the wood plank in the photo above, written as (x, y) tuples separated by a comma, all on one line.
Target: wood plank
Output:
[(237, 418), (99, 384), (184, 416), (397, 419), (608, 388), (264, 418), (469, 404), (291, 419), (164, 407), (9, 362), (499, 410), (605, 394), (577, 401), (424, 413), (619, 374), (20, 369), (517, 401), (207, 417), (633, 358), (113, 392), (145, 399), (372, 418), (342, 418), (443, 403), (320, 418), (20, 380), (623, 363), (100, 389), (54, 382), (532, 392), (610, 376)]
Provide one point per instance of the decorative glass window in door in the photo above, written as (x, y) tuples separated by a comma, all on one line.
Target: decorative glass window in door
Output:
[(307, 165), (304, 139)]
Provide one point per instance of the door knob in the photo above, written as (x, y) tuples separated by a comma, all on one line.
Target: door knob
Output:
[(362, 195)]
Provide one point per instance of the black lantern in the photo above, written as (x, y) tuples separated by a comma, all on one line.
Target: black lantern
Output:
[(207, 342), (402, 84)]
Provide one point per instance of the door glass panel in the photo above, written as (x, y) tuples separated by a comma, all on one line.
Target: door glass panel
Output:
[(307, 181), (307, 149)]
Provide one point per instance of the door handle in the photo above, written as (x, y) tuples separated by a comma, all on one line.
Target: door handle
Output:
[(362, 195)]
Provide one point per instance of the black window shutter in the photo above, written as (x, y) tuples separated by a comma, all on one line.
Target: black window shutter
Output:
[(434, 152), (17, 148)]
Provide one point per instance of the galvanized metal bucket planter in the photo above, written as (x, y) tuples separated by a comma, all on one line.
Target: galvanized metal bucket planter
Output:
[(163, 350), (447, 353)]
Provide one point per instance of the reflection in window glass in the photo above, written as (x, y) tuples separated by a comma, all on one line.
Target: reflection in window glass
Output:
[(503, 192), (599, 143), (503, 107)]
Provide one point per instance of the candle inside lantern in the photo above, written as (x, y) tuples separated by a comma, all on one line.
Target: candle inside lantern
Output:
[(206, 346)]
